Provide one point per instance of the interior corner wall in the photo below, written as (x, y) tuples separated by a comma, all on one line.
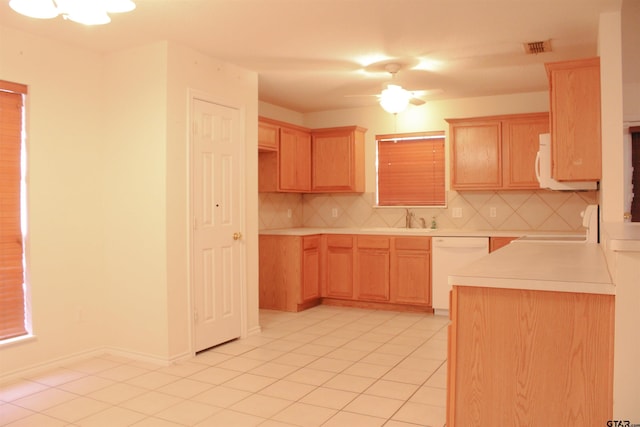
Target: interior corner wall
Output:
[(612, 182), (134, 187), (64, 129)]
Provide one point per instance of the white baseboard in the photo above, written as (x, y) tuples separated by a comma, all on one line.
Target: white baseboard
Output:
[(33, 370)]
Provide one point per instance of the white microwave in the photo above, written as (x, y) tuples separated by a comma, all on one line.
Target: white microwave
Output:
[(543, 170)]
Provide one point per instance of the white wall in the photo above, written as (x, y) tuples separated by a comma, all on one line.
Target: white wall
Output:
[(108, 183), (65, 151), (135, 176)]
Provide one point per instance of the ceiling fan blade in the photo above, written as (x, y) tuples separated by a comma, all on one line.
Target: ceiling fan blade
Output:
[(416, 101)]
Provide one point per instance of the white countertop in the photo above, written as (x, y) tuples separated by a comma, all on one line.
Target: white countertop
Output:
[(543, 266), (623, 236), (306, 231)]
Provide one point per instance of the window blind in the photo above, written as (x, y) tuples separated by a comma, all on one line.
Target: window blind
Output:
[(411, 170), (12, 314)]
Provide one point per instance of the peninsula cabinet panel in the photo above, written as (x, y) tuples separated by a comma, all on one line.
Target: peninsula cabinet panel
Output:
[(411, 270), (529, 358), (476, 155), (338, 267), (289, 272), (372, 268), (338, 159), (574, 88), (294, 162)]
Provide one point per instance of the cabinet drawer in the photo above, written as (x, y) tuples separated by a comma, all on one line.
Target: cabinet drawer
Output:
[(339, 241), (417, 243), (373, 242)]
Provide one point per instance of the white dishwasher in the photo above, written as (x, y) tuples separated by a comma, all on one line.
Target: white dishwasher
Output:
[(449, 254)]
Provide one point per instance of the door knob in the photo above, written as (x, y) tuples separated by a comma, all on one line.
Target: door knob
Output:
[(237, 235)]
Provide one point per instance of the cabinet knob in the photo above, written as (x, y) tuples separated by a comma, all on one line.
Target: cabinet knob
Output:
[(237, 235)]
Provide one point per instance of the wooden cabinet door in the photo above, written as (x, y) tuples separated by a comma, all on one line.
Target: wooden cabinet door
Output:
[(372, 268), (294, 162), (268, 136), (338, 268), (575, 120), (411, 270), (496, 243), (520, 143), (310, 269), (476, 154), (338, 159)]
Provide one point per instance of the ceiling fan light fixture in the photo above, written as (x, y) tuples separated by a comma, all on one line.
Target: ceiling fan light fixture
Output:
[(394, 99), (87, 12)]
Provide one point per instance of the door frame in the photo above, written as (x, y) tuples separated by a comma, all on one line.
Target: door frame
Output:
[(192, 95)]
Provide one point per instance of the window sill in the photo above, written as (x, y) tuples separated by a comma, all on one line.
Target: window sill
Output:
[(17, 340)]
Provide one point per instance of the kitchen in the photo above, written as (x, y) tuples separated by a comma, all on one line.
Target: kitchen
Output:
[(121, 201)]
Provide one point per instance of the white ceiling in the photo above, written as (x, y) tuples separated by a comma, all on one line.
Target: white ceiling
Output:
[(314, 55)]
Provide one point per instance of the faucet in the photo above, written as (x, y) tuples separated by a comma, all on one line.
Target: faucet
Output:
[(408, 216)]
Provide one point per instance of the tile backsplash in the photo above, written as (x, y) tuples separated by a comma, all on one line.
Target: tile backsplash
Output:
[(481, 210)]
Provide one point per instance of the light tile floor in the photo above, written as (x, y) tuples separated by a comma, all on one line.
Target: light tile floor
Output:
[(326, 366)]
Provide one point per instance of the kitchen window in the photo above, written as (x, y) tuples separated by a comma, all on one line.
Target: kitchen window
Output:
[(410, 169), (12, 289)]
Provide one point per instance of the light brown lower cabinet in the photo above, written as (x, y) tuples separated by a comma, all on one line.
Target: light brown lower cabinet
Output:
[(372, 268), (529, 358), (384, 272), (289, 272), (496, 243), (338, 266), (411, 270)]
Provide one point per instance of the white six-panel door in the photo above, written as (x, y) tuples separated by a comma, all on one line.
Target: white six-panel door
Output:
[(217, 255)]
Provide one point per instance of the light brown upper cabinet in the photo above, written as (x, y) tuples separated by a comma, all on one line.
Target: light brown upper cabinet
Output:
[(294, 164), (337, 159), (574, 87), (495, 152), (268, 136), (299, 160)]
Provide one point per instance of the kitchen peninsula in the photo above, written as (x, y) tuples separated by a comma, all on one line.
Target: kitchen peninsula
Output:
[(531, 337)]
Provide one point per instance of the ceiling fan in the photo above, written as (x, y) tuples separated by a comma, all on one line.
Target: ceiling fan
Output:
[(394, 98)]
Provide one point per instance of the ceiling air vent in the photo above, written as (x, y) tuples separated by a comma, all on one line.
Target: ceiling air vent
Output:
[(537, 47)]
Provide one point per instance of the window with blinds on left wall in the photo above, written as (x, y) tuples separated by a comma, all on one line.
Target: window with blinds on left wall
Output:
[(12, 289)]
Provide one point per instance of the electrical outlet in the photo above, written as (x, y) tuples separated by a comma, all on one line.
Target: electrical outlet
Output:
[(456, 213), (492, 212), (334, 212)]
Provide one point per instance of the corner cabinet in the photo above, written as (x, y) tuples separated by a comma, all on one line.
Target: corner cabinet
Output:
[(574, 88), (289, 270), (337, 159), (495, 152), (295, 159)]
